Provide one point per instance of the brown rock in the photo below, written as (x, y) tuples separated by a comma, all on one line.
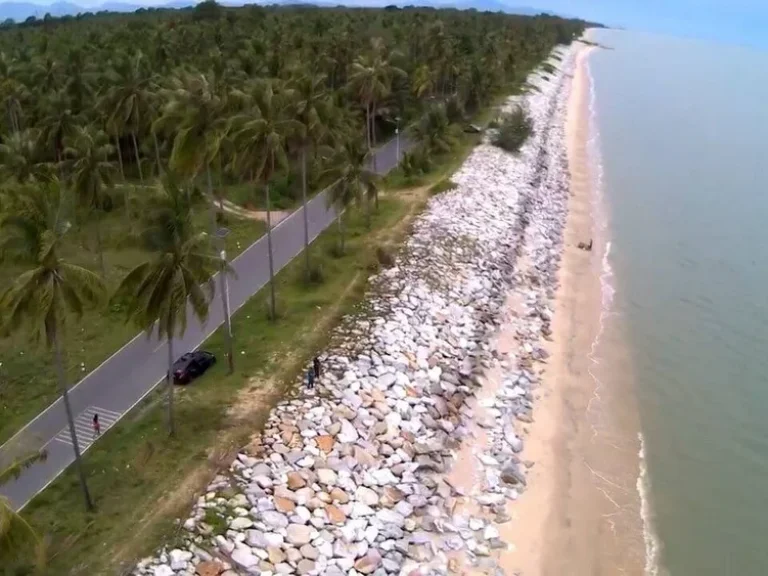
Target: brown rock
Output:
[(275, 555), (368, 563), (325, 443), (335, 514), (284, 505), (338, 495), (209, 569), (295, 481), (363, 457), (287, 437), (391, 496)]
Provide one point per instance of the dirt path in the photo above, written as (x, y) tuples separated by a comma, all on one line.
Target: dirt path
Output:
[(276, 216)]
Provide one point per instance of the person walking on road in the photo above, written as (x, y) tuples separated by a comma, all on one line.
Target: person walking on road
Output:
[(311, 379), (316, 366), (96, 426)]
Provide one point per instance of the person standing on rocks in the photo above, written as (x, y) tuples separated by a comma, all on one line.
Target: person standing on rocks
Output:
[(316, 366), (311, 378)]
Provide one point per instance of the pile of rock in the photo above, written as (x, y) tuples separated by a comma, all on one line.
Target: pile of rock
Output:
[(351, 478)]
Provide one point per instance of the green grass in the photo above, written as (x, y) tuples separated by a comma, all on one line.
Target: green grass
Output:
[(443, 185), (27, 380), (135, 467)]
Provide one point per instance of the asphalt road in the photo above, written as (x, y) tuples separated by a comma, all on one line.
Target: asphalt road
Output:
[(125, 378)]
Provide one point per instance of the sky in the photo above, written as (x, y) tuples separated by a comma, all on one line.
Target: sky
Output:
[(742, 22), (733, 21)]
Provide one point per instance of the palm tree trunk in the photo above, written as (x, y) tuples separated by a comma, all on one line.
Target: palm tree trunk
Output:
[(157, 153), (304, 210), (272, 311), (70, 420), (169, 381), (100, 250), (340, 226), (11, 125), (138, 160), (373, 138), (368, 124), (211, 205), (119, 157)]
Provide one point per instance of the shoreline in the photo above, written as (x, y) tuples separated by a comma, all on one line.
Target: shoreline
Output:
[(540, 528), (581, 514)]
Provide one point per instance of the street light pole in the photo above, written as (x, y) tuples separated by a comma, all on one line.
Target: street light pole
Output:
[(225, 304), (224, 288)]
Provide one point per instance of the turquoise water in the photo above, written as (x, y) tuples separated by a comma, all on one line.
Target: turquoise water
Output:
[(682, 133)]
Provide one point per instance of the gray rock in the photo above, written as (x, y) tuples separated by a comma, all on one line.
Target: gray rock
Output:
[(274, 519)]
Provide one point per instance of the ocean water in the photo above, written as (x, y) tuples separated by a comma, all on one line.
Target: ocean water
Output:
[(683, 150)]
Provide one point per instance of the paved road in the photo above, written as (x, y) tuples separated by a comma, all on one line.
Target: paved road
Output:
[(124, 379)]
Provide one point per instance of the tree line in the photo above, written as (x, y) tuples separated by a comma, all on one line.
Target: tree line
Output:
[(161, 107)]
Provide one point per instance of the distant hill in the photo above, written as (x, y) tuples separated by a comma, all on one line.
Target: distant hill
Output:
[(20, 11)]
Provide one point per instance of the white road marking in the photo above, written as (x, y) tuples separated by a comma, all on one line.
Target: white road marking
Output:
[(84, 427)]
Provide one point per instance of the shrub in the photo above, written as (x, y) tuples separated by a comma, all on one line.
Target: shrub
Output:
[(514, 130), (385, 257), (416, 163), (279, 308), (443, 185), (335, 250), (316, 273), (454, 108)]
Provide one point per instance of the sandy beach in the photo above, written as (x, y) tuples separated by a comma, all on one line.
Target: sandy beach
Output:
[(565, 522)]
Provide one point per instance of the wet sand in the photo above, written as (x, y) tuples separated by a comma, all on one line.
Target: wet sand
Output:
[(579, 515)]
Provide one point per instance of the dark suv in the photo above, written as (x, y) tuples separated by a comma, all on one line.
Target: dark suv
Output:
[(192, 365)]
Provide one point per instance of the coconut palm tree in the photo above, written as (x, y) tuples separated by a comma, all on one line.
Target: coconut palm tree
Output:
[(196, 113), (50, 290), (371, 80), (57, 123), (18, 540), (311, 104), (260, 137), (130, 98), (12, 91), (158, 293), (91, 172), (435, 132), (19, 154), (356, 183)]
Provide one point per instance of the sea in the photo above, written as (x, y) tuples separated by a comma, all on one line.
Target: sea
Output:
[(680, 142)]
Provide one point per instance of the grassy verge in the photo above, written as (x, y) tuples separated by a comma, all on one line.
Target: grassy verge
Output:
[(141, 479), (27, 379)]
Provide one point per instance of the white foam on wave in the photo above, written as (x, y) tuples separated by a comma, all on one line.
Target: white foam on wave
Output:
[(652, 544), (608, 291), (600, 224)]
